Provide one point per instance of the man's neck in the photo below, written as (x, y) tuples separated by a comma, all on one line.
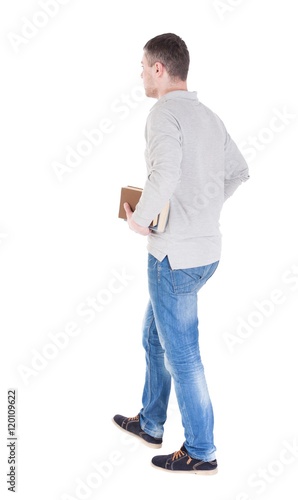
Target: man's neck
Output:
[(177, 86)]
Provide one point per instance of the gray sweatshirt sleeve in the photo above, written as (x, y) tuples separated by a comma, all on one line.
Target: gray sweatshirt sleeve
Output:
[(164, 155), (236, 169)]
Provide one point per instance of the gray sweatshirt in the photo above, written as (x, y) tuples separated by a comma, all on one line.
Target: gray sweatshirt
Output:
[(193, 162)]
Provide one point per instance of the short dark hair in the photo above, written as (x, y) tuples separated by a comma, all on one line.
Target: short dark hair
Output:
[(171, 51)]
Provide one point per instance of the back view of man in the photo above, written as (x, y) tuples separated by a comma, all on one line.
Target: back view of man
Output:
[(193, 163)]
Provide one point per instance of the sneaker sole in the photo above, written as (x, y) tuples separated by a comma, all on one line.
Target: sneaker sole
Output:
[(149, 445), (197, 472)]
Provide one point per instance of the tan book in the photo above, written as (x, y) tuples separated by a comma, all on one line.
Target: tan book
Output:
[(131, 195)]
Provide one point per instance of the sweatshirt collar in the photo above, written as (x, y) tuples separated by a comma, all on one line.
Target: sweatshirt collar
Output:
[(179, 94)]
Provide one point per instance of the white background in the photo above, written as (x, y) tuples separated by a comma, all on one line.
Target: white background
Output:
[(61, 242)]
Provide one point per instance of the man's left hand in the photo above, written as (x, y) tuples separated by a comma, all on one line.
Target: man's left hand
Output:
[(144, 231)]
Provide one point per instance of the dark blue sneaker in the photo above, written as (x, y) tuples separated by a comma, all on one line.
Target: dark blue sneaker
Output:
[(132, 425), (180, 461)]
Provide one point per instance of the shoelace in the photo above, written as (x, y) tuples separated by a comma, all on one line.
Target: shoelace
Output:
[(180, 454), (134, 418)]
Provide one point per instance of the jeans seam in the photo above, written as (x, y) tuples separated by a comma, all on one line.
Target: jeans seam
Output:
[(149, 360)]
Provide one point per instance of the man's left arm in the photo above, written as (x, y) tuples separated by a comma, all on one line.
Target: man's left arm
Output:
[(164, 149)]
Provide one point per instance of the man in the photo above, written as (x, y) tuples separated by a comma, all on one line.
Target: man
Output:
[(193, 162)]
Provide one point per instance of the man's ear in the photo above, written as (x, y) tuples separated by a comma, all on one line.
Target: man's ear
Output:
[(159, 68)]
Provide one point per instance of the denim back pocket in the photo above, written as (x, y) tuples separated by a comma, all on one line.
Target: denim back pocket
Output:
[(192, 279)]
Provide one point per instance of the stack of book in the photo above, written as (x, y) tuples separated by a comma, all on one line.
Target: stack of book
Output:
[(131, 195)]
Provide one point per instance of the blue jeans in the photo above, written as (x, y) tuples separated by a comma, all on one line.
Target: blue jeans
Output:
[(171, 342)]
